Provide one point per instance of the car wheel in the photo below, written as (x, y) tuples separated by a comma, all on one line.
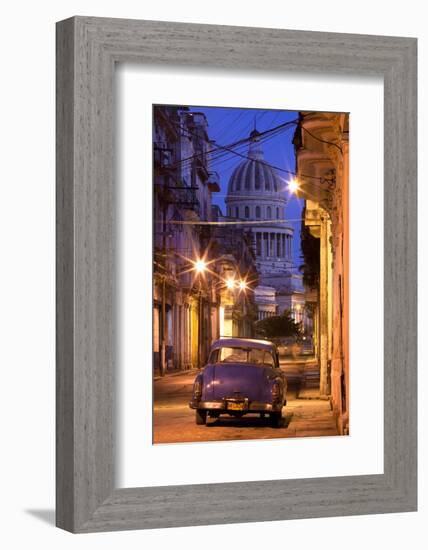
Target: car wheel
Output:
[(276, 418), (201, 417)]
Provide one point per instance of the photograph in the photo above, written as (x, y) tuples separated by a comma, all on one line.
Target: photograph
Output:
[(250, 273)]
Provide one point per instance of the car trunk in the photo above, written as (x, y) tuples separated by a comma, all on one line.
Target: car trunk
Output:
[(238, 380)]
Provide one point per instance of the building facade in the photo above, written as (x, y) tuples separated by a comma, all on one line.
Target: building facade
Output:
[(322, 155), (233, 245), (184, 310), (189, 307), (257, 194)]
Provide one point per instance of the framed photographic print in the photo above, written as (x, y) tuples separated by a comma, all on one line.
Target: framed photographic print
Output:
[(236, 274)]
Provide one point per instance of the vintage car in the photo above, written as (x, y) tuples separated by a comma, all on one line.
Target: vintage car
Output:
[(242, 376)]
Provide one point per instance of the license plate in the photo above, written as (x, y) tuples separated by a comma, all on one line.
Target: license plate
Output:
[(232, 406)]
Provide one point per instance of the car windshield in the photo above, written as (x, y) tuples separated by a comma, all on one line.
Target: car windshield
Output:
[(255, 356)]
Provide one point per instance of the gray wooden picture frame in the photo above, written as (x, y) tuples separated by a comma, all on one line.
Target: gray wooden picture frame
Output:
[(87, 50)]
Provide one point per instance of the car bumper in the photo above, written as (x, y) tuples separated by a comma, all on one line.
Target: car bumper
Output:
[(221, 406)]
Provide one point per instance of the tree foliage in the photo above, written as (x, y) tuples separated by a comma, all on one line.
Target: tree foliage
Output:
[(277, 326)]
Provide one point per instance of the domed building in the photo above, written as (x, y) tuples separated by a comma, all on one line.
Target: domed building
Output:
[(256, 193)]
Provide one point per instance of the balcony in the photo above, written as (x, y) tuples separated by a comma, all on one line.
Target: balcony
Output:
[(163, 156), (213, 182), (186, 197)]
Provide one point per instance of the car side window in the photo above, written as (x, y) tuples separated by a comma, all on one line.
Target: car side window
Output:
[(268, 359), (214, 356)]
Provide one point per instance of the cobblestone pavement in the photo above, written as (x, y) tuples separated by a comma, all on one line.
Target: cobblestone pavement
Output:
[(174, 421)]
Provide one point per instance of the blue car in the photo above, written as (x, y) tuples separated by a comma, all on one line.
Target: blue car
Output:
[(242, 376)]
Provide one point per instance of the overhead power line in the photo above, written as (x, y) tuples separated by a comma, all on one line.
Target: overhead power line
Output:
[(254, 160), (322, 140), (229, 147), (219, 155), (232, 222)]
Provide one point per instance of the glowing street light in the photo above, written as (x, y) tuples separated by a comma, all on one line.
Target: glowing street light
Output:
[(230, 284), (293, 185), (242, 285), (200, 266)]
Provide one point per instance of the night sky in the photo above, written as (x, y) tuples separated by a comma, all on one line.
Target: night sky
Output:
[(228, 125)]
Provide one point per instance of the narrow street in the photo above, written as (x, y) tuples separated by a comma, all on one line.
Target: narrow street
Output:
[(174, 421)]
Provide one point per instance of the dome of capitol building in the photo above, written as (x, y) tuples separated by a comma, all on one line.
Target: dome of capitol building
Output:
[(256, 193)]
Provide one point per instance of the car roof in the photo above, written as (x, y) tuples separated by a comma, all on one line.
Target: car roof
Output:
[(243, 342)]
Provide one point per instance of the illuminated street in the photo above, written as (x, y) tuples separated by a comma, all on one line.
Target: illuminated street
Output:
[(250, 273), (174, 421)]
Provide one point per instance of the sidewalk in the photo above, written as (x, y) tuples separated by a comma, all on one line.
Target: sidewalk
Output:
[(311, 393), (173, 372)]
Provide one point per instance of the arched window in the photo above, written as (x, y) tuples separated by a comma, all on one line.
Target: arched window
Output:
[(257, 211), (247, 212), (236, 212), (268, 213)]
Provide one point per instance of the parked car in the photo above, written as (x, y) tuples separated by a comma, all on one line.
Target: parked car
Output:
[(242, 376)]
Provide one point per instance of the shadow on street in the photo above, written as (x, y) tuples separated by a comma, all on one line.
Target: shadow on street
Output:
[(174, 421)]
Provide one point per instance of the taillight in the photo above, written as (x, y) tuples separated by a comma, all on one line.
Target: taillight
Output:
[(197, 389), (276, 390)]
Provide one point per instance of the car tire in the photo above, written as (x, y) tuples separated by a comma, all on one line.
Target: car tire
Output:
[(201, 417), (275, 419)]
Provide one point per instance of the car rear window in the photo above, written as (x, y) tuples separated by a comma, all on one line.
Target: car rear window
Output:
[(242, 355)]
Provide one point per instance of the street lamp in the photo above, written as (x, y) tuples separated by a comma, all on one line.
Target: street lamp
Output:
[(293, 185), (200, 265), (230, 284), (242, 285)]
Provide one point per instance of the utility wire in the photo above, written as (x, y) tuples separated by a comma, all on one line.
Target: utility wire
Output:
[(225, 156), (321, 140), (254, 160), (228, 148), (234, 222)]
